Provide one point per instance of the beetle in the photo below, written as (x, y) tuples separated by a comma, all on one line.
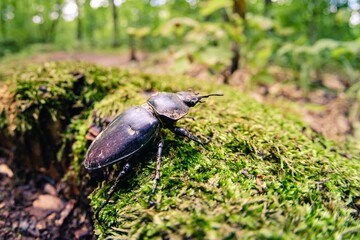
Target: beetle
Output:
[(138, 127)]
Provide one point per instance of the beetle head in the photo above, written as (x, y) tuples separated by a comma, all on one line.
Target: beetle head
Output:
[(192, 98)]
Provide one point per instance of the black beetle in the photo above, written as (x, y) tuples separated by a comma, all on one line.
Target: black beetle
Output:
[(138, 127)]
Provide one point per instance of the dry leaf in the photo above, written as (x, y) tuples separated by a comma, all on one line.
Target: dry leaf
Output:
[(48, 202), (4, 169)]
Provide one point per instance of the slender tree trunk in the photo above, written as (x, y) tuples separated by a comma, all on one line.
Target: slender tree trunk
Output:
[(235, 57), (133, 57), (267, 6), (239, 7), (79, 33), (116, 41), (312, 34), (2, 20), (90, 24), (79, 28), (51, 31)]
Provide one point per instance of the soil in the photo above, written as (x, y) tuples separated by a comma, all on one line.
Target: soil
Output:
[(33, 206)]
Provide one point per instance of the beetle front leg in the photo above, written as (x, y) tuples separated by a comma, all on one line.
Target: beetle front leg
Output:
[(113, 188), (157, 171), (186, 133)]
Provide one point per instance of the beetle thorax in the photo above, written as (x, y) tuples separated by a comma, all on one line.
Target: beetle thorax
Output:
[(168, 106)]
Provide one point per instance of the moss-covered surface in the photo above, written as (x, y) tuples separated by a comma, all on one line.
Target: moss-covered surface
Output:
[(264, 175)]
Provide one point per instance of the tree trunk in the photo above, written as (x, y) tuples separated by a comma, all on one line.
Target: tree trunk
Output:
[(51, 29), (133, 57), (312, 34), (116, 41), (235, 57), (79, 32), (2, 20), (267, 6), (239, 7)]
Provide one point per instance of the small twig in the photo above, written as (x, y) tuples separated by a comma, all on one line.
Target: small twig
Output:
[(246, 173), (259, 182), (323, 181)]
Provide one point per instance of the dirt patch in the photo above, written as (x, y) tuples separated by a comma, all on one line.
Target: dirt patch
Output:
[(34, 206), (107, 60)]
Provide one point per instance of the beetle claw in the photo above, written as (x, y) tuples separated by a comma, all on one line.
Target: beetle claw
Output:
[(152, 204), (208, 139)]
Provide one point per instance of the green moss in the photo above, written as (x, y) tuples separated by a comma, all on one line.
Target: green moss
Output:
[(56, 88), (264, 175), (307, 184)]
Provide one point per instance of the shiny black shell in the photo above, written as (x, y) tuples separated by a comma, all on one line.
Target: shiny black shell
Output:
[(126, 134), (168, 105)]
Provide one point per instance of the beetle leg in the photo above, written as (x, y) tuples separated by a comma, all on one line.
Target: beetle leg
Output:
[(157, 171), (186, 133), (113, 188)]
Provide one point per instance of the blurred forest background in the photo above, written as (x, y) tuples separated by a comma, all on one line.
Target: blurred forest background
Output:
[(310, 45)]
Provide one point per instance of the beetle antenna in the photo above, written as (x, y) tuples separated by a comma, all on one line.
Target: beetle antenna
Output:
[(210, 95)]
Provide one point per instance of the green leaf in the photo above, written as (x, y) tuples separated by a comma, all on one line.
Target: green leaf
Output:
[(215, 55), (167, 29), (339, 52), (323, 44), (260, 22), (181, 65), (209, 7)]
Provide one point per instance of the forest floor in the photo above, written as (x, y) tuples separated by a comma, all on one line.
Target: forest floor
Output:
[(26, 212), (32, 206), (327, 112)]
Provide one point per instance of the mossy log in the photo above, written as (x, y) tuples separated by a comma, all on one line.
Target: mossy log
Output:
[(264, 175)]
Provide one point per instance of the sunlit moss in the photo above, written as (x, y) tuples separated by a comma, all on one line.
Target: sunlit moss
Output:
[(306, 182), (264, 175)]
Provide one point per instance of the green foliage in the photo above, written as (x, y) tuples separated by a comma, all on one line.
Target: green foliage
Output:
[(323, 54), (210, 7), (292, 34)]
